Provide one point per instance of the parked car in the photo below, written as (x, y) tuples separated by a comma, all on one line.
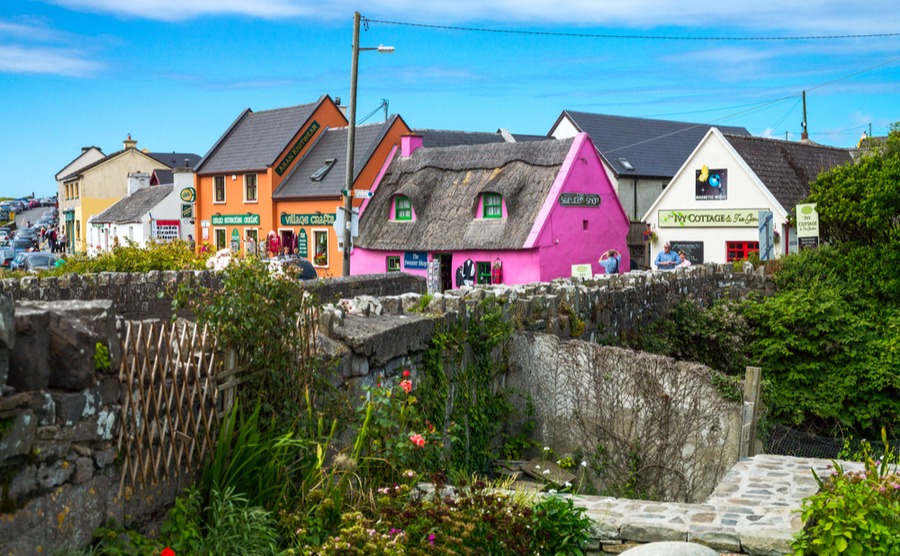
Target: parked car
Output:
[(21, 245), (6, 256), (4, 237), (297, 267), (33, 262)]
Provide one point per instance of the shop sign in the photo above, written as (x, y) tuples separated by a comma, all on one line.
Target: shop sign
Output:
[(807, 221), (302, 244), (188, 194), (711, 185), (709, 218), (298, 146), (235, 241), (582, 271), (307, 219), (235, 220), (579, 200), (187, 211), (166, 230), (415, 260)]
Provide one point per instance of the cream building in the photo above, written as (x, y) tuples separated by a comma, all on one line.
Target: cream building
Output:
[(93, 188)]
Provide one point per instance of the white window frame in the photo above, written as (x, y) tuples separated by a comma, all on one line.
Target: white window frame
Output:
[(256, 185), (224, 191), (312, 233), (216, 237)]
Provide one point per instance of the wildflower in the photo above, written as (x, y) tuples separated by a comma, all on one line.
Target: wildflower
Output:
[(431, 538), (552, 491), (546, 448), (546, 472), (417, 439), (406, 385), (568, 484), (583, 463)]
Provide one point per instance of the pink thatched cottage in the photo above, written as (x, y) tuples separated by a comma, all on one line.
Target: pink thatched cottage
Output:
[(501, 212)]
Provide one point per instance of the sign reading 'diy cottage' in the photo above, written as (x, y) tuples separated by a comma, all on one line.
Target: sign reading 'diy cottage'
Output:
[(579, 200), (298, 146), (735, 218)]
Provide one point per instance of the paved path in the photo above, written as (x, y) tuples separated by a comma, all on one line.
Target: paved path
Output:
[(753, 510)]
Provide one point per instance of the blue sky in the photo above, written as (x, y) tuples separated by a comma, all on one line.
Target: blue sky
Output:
[(175, 73)]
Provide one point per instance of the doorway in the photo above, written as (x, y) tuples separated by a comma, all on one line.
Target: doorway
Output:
[(446, 260)]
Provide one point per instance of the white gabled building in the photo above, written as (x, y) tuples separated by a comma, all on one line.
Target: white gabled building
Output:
[(710, 209)]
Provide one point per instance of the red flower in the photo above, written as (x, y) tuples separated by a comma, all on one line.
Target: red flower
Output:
[(406, 385), (406, 373), (417, 439), (167, 552)]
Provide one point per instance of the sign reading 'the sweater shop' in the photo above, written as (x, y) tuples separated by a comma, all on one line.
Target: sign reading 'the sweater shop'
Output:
[(579, 200)]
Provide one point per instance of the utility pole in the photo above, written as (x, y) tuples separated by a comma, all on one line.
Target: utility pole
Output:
[(804, 135), (351, 139)]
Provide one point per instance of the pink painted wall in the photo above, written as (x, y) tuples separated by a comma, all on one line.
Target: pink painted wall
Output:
[(565, 236), (561, 237)]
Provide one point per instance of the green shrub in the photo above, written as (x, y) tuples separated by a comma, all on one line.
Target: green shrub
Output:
[(174, 255), (558, 527), (855, 513)]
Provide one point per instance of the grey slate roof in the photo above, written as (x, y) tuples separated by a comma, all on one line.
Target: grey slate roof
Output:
[(787, 168), (433, 138), (255, 139), (332, 144), (654, 148), (134, 206), (444, 186), (176, 160)]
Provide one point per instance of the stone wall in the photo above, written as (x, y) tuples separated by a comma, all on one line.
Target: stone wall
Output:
[(59, 421), (149, 295)]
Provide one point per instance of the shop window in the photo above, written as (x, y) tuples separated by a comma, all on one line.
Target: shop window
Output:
[(320, 240), (251, 242), (483, 271), (220, 238), (393, 264), (740, 250), (493, 206), (219, 189), (250, 193), (402, 208)]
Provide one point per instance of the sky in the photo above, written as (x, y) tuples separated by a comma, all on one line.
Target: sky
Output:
[(174, 74)]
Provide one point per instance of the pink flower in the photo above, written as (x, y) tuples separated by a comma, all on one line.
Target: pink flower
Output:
[(406, 385), (417, 439)]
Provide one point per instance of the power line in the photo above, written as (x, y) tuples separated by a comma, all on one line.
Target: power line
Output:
[(632, 37)]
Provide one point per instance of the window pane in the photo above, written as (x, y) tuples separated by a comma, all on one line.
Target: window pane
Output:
[(484, 273), (402, 208), (320, 240), (250, 181), (393, 264), (219, 189), (493, 205)]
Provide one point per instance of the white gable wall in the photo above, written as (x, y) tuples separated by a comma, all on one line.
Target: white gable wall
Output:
[(744, 194)]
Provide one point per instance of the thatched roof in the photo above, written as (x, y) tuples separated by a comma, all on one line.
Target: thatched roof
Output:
[(444, 187)]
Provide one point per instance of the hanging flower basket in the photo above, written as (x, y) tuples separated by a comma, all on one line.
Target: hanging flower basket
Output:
[(650, 237), (777, 237)]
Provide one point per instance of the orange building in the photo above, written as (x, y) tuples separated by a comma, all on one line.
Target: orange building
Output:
[(310, 196), (235, 181)]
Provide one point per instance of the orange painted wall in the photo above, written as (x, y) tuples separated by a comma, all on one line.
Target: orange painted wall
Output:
[(366, 178), (326, 114)]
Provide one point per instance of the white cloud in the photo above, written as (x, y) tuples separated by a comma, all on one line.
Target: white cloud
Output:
[(53, 61), (809, 17)]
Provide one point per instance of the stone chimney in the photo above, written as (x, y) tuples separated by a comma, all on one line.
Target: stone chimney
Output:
[(409, 143), (138, 181), (129, 143)]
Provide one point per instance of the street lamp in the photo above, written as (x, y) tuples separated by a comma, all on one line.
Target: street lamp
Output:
[(351, 138)]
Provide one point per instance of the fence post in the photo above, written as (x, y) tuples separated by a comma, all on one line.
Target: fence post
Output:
[(227, 372), (750, 412)]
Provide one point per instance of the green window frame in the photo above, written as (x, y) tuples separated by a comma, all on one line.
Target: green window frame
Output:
[(483, 273), (402, 208), (493, 206), (393, 264)]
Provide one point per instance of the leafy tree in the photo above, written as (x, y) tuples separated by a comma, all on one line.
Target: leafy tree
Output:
[(860, 203)]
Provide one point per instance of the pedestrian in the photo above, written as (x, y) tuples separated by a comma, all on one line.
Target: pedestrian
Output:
[(191, 243), (685, 262), (666, 259), (611, 261)]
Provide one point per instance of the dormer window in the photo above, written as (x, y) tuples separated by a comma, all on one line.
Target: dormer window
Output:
[(402, 208), (320, 173), (493, 205)]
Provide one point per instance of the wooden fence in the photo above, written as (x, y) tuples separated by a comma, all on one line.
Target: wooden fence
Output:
[(171, 405)]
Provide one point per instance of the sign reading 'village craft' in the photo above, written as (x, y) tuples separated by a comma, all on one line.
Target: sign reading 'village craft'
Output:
[(307, 219), (298, 146), (734, 218), (579, 200), (235, 220)]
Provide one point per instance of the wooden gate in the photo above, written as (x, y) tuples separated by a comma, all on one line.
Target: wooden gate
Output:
[(170, 407)]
